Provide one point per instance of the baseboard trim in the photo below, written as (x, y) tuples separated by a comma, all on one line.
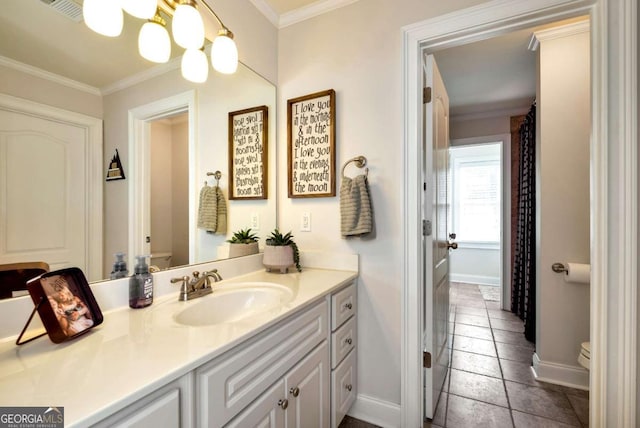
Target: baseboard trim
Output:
[(474, 279), (560, 374), (376, 411)]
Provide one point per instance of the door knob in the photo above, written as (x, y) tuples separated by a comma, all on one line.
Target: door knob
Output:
[(452, 235), (452, 245)]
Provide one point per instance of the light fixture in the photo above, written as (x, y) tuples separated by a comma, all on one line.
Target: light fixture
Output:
[(143, 9), (224, 53), (187, 26), (195, 66), (103, 16), (154, 43)]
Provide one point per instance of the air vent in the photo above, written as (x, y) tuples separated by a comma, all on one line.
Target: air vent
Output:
[(68, 8)]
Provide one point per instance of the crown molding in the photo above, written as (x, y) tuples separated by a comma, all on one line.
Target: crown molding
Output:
[(557, 32), (267, 11), (47, 75), (314, 9)]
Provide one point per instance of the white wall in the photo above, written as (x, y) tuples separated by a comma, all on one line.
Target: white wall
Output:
[(475, 265), (563, 200), (356, 50)]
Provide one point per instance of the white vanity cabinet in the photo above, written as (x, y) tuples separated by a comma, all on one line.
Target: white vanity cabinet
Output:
[(343, 352), (168, 407), (246, 376)]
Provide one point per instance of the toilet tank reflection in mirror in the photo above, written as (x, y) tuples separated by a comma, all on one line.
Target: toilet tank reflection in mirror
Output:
[(50, 74)]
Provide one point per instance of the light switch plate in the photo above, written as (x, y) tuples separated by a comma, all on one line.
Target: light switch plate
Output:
[(255, 221), (305, 222)]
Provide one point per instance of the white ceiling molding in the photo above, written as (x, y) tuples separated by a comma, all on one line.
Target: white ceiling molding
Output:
[(158, 70), (314, 9), (47, 75), (557, 32), (489, 114), (267, 11)]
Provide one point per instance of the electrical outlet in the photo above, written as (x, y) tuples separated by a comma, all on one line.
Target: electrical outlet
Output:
[(305, 222), (255, 221)]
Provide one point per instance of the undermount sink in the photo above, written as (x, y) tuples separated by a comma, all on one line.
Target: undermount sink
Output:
[(233, 303)]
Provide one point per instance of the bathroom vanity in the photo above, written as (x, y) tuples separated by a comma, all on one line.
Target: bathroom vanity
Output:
[(197, 364)]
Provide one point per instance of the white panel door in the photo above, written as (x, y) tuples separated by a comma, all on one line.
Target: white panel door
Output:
[(43, 191), (435, 240)]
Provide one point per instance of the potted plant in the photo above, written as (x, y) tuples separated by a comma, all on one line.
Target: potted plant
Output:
[(281, 252), (243, 243)]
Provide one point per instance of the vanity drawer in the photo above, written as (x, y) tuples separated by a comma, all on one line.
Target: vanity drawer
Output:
[(228, 384), (343, 388), (342, 341), (343, 306)]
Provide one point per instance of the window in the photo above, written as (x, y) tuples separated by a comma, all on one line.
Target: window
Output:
[(476, 193)]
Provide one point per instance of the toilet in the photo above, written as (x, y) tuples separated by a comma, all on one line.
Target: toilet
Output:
[(161, 260), (584, 359)]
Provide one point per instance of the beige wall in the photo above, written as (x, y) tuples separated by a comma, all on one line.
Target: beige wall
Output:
[(563, 198), (357, 51), (180, 198), (468, 128), (29, 87), (160, 179)]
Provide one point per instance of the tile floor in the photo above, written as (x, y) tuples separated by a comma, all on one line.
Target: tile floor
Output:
[(490, 383)]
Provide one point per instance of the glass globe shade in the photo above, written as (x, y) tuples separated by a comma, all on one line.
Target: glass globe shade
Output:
[(195, 66), (187, 27), (103, 16), (224, 54), (154, 43), (143, 9)]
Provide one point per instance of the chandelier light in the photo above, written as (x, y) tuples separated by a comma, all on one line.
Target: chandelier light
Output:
[(195, 66), (154, 44), (103, 16)]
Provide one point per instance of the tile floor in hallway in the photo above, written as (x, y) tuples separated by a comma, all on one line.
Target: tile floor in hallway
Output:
[(490, 382)]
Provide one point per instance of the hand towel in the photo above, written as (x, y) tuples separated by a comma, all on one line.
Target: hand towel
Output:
[(207, 209), (356, 216), (221, 212)]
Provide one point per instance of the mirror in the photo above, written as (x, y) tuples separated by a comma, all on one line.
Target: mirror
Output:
[(47, 58)]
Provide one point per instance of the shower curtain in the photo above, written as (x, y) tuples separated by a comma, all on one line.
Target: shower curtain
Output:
[(523, 284)]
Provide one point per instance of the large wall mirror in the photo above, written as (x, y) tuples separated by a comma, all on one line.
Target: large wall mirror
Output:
[(178, 130)]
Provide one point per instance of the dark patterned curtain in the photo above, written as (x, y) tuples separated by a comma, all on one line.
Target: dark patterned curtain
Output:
[(523, 284)]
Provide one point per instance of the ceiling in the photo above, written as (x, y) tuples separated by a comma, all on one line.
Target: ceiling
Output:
[(498, 72)]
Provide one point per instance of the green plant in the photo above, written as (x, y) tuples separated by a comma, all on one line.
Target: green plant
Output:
[(243, 236), (277, 239)]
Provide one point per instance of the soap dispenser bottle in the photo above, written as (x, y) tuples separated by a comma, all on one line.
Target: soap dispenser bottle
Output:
[(119, 267), (141, 285)]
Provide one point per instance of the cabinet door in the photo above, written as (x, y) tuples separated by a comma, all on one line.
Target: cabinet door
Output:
[(308, 387), (268, 411)]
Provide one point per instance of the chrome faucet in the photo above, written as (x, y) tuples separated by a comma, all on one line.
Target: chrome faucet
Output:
[(198, 286)]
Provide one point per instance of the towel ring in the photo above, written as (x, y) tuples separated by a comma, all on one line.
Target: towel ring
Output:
[(217, 175), (360, 162)]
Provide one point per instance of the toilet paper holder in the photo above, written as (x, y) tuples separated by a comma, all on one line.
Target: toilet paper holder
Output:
[(559, 268)]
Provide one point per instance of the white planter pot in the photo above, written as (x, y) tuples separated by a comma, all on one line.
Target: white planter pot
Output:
[(238, 250), (277, 258)]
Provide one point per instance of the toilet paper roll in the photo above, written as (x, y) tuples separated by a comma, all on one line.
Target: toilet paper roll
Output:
[(578, 272)]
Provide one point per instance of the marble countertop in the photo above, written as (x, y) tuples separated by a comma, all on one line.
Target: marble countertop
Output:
[(136, 351)]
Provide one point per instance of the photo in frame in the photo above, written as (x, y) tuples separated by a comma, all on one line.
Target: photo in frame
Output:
[(311, 155), (248, 153), (65, 303)]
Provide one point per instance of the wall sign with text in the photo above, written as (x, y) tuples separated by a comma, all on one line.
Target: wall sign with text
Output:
[(311, 135), (248, 135)]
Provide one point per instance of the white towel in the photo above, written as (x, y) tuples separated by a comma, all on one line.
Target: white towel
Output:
[(356, 216), (212, 210)]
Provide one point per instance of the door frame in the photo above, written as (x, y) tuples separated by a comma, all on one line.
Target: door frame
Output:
[(505, 206), (139, 150), (614, 178)]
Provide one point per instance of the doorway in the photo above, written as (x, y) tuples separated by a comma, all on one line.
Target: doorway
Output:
[(140, 120)]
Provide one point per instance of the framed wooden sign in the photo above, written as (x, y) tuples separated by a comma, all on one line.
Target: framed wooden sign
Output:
[(311, 135), (248, 145)]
